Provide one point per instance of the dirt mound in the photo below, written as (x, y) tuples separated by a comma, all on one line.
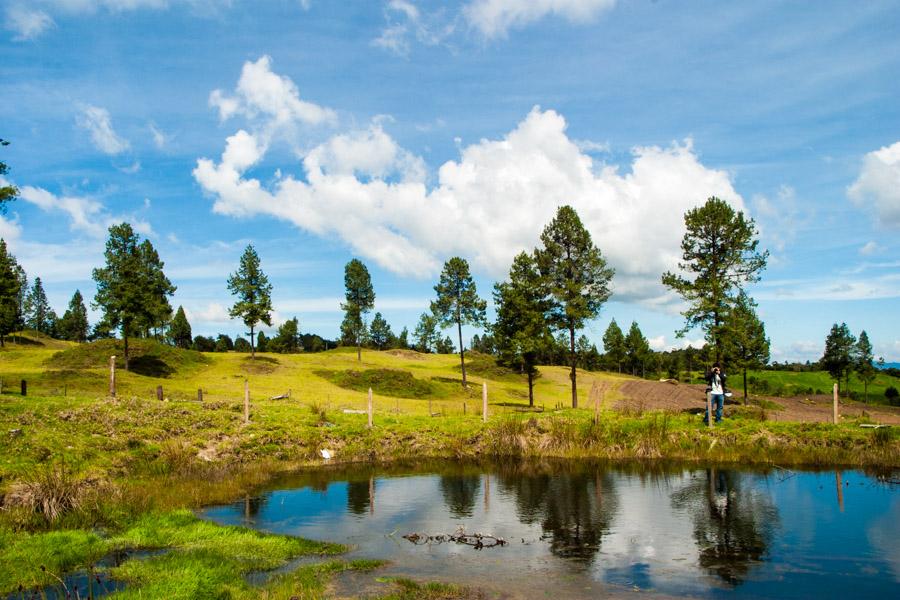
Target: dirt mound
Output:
[(660, 395)]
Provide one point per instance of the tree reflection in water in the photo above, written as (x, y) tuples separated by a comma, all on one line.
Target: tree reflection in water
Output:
[(733, 525), (460, 493), (574, 505)]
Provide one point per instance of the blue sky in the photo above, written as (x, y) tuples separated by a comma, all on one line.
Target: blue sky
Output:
[(404, 133)]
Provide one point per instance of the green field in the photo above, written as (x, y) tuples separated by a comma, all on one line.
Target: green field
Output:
[(82, 473)]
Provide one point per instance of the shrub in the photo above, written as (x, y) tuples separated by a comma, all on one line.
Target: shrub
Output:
[(892, 395)]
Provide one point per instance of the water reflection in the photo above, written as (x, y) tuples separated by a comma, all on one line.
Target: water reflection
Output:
[(574, 507), (680, 531), (733, 524)]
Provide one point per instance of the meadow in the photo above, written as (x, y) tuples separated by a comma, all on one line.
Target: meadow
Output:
[(83, 473)]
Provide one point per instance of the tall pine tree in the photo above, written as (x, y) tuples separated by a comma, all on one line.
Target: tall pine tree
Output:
[(719, 256), (74, 323), (180, 334), (614, 345), (863, 362), (37, 308), (577, 278), (520, 332), (254, 294), (131, 286), (458, 303), (10, 287), (637, 349), (359, 296), (838, 356)]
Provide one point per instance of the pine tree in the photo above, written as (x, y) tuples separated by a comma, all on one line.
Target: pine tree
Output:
[(838, 356), (637, 349), (864, 362), (262, 342), (444, 346), (403, 338), (10, 286), (180, 330), (359, 299), (426, 333), (287, 340), (380, 332), (577, 278), (746, 345), (74, 323), (520, 331), (254, 294), (458, 303), (131, 288), (37, 308), (614, 344), (719, 254)]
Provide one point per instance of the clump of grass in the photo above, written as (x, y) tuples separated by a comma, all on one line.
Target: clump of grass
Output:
[(410, 590), (319, 412), (386, 382), (506, 437), (882, 436), (55, 492)]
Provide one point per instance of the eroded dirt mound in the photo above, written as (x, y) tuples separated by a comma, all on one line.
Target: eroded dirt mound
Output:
[(651, 395)]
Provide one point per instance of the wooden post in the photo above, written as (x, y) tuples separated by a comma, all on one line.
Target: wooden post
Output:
[(159, 393), (370, 409), (246, 401), (200, 395), (835, 405), (66, 390), (484, 402), (709, 413), (429, 408), (112, 376), (840, 490), (24, 388), (464, 407), (595, 392)]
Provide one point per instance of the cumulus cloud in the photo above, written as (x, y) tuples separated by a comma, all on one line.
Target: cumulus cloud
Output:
[(97, 122), (877, 188), (86, 215), (848, 287), (260, 92), (487, 206), (494, 18), (26, 23)]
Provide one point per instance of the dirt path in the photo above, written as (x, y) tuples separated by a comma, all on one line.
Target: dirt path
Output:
[(637, 395)]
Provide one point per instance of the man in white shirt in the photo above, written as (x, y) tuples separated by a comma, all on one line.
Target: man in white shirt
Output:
[(715, 381)]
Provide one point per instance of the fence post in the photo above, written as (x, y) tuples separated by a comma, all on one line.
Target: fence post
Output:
[(430, 413), (464, 407), (484, 402), (200, 395), (709, 414), (112, 376), (595, 392), (835, 405), (24, 388), (370, 409), (159, 393), (246, 401)]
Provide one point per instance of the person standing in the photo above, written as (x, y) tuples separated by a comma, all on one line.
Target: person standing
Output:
[(715, 385)]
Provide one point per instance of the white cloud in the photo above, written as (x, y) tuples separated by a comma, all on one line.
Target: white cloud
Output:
[(404, 21), (844, 287), (870, 248), (260, 92), (660, 344), (85, 214), (877, 188), (487, 206), (494, 18), (97, 122), (211, 313), (780, 219), (27, 23)]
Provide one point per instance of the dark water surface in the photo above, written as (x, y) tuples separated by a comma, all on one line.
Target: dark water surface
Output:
[(578, 530)]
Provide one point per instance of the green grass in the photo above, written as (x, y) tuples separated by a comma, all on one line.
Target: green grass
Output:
[(386, 382), (791, 383)]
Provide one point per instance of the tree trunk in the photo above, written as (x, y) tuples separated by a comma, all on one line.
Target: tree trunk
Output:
[(358, 350), (745, 386), (530, 389), (252, 344), (462, 359), (125, 337), (573, 375), (866, 390)]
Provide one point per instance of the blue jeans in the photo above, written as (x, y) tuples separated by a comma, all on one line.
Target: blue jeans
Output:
[(718, 400)]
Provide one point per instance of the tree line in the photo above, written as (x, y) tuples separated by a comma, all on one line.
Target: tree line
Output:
[(548, 297)]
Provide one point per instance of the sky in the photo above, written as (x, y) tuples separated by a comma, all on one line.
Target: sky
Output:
[(405, 132)]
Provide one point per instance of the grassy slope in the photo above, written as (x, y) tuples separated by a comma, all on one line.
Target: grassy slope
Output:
[(791, 383), (135, 458)]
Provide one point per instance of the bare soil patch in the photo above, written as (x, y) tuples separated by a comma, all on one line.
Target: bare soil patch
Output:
[(656, 395)]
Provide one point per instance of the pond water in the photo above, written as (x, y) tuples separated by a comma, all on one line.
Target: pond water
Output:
[(576, 530)]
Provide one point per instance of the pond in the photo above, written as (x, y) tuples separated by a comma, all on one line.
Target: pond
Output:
[(576, 530)]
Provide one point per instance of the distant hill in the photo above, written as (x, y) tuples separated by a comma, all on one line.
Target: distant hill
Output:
[(890, 365)]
